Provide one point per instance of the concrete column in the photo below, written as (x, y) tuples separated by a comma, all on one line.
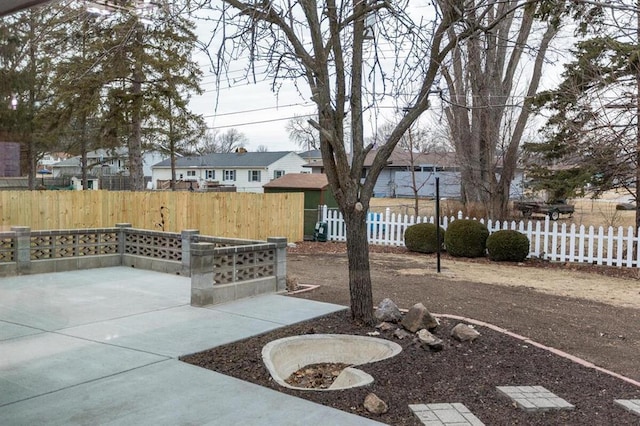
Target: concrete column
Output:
[(202, 266), (187, 240), (22, 248), (281, 262), (122, 231)]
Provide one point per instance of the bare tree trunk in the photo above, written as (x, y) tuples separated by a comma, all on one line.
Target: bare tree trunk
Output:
[(136, 173), (480, 88), (84, 166), (31, 143), (172, 148), (359, 273), (31, 162), (173, 171), (414, 184)]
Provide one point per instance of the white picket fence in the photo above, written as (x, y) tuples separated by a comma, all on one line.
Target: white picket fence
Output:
[(549, 240)]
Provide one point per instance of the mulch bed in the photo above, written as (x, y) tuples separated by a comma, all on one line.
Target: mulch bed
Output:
[(462, 372)]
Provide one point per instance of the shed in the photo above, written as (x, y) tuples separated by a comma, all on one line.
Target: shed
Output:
[(316, 192)]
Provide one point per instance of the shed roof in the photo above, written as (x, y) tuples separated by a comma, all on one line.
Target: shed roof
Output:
[(300, 181)]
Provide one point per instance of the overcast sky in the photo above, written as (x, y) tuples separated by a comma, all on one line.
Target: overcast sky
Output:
[(252, 109), (262, 115)]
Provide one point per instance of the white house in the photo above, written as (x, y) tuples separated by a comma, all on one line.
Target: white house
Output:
[(106, 162), (247, 171)]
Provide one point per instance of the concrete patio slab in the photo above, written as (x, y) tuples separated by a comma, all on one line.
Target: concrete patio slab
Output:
[(55, 301), (93, 347), (170, 393), (42, 363), (173, 332), (11, 331), (278, 309)]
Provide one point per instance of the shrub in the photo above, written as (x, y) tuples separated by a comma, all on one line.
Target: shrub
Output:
[(508, 245), (466, 238), (422, 238)]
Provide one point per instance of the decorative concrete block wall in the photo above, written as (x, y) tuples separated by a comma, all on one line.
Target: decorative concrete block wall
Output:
[(221, 269), (222, 274)]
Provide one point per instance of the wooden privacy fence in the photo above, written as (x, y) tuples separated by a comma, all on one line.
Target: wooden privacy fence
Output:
[(548, 240), (232, 215)]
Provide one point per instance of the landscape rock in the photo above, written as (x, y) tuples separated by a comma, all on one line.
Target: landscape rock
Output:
[(401, 334), (464, 333), (428, 340), (417, 318), (388, 311), (292, 283), (385, 326), (374, 405)]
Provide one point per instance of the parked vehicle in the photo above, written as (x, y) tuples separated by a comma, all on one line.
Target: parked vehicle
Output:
[(551, 209)]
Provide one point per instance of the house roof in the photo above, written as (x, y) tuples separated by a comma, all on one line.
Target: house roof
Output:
[(399, 158), (313, 154), (69, 162), (230, 160), (300, 181)]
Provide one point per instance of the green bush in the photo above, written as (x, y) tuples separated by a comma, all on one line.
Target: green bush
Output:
[(421, 237), (466, 238), (508, 245)]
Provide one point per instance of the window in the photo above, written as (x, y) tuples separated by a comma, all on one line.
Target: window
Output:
[(229, 175), (181, 176), (254, 175), (278, 173), (363, 174), (191, 173), (210, 174)]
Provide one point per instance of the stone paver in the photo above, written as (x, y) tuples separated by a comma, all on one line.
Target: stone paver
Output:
[(632, 405), (534, 398), (455, 414)]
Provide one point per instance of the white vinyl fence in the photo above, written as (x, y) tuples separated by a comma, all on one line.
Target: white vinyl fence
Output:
[(549, 240)]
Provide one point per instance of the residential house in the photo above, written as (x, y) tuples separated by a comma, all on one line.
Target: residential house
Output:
[(246, 171), (51, 158), (103, 162), (397, 177), (311, 156)]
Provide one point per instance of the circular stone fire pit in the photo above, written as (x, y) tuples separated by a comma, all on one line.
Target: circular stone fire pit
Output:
[(283, 357)]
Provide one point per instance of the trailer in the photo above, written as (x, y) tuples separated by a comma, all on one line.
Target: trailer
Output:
[(551, 209)]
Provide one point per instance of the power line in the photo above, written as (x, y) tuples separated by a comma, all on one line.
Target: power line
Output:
[(260, 122), (257, 109)]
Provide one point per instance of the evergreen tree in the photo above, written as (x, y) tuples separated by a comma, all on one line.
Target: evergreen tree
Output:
[(27, 56), (150, 75), (127, 83), (592, 138)]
